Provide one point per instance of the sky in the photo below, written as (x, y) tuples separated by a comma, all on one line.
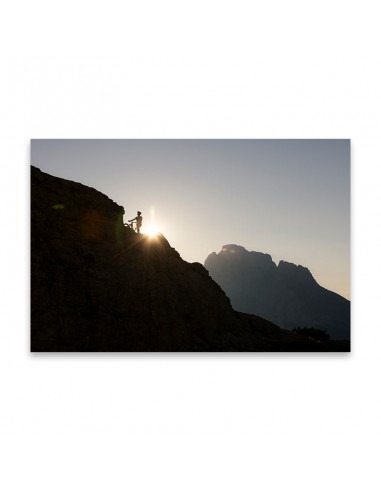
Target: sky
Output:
[(287, 198)]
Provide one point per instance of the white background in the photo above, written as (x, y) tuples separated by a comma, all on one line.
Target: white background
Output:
[(202, 422)]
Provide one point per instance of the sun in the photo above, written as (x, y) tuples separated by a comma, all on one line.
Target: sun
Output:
[(151, 231)]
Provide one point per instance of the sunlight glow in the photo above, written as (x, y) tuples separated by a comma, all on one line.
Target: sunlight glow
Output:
[(151, 231)]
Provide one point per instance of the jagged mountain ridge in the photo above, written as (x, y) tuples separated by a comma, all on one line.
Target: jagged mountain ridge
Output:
[(98, 286), (286, 294)]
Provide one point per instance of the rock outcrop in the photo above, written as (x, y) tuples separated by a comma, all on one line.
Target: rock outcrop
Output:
[(286, 294), (98, 286)]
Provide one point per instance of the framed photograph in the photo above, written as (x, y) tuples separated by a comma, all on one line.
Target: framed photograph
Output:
[(190, 245)]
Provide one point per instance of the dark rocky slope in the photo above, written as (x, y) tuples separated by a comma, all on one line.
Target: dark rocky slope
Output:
[(98, 286), (286, 294)]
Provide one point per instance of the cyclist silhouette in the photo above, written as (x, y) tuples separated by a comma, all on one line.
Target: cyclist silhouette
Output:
[(138, 220)]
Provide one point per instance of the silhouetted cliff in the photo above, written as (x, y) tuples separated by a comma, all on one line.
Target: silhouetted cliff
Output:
[(98, 286), (286, 294)]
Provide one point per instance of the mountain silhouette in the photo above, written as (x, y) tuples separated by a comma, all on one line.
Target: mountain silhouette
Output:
[(96, 285), (286, 294)]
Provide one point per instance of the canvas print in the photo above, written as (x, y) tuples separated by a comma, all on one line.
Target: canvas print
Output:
[(190, 245)]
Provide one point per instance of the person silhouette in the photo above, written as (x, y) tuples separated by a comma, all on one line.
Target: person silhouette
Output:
[(138, 220)]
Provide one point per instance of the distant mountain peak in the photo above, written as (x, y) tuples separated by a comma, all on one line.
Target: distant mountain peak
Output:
[(233, 249), (236, 250), (286, 294)]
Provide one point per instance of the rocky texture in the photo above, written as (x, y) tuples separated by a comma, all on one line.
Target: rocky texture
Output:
[(98, 286), (286, 294)]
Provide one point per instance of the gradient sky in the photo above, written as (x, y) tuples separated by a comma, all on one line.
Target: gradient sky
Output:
[(288, 198)]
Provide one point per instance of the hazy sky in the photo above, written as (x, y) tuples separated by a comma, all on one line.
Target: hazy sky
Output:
[(288, 198)]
